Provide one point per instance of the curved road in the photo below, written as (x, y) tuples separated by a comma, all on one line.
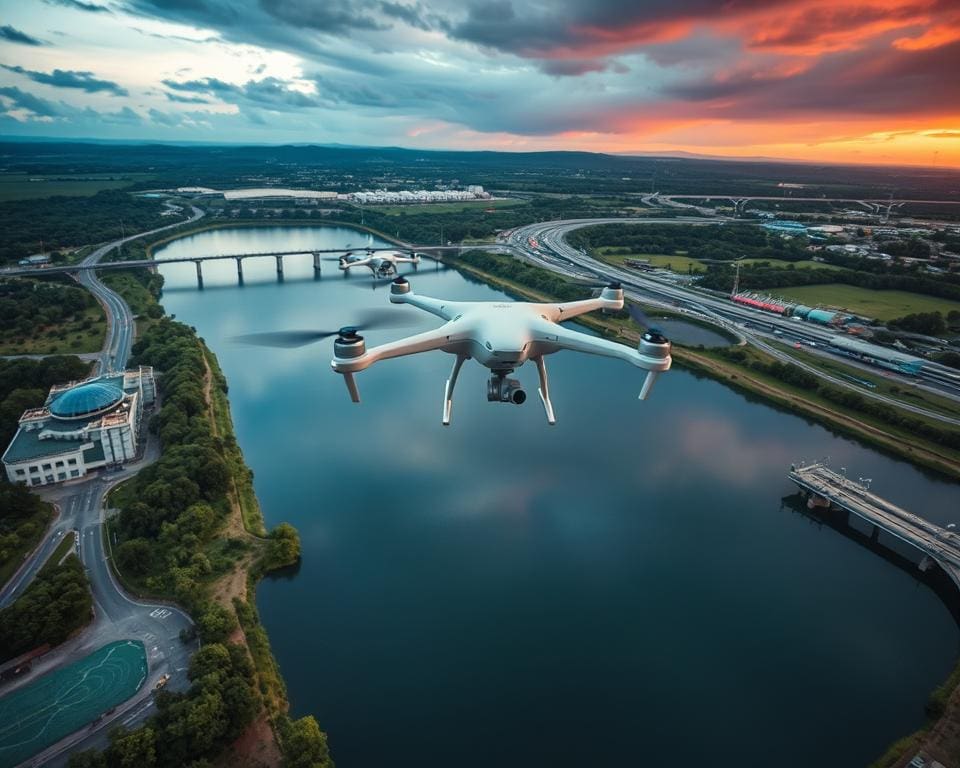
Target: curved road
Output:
[(81, 509), (567, 260)]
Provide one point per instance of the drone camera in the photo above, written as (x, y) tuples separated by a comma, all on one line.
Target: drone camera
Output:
[(503, 390)]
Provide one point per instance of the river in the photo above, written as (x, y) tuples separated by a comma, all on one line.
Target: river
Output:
[(625, 588)]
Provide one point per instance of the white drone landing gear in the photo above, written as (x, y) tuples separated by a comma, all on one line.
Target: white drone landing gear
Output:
[(448, 390), (545, 392)]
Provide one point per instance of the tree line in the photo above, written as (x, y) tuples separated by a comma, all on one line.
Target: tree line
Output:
[(710, 242)]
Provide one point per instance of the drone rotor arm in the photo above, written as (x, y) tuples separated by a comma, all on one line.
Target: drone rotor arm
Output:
[(556, 337), (611, 298), (445, 310), (438, 338)]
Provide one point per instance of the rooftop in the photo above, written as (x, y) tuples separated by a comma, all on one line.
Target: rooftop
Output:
[(86, 399)]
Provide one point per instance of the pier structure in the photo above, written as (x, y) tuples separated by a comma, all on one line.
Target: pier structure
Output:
[(427, 251), (824, 487)]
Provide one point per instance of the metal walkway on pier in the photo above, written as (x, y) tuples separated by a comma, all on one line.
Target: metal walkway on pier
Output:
[(828, 488)]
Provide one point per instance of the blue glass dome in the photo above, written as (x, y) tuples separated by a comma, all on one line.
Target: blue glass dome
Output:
[(86, 399)]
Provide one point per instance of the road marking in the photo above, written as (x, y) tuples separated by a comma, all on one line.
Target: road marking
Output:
[(160, 613)]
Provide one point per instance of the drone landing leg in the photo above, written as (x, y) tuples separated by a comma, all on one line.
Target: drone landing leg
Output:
[(545, 392), (352, 387), (648, 384), (448, 391)]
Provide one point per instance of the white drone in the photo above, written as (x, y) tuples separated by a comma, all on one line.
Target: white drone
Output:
[(500, 335), (381, 263)]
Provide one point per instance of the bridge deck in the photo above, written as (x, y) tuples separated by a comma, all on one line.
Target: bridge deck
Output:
[(941, 545)]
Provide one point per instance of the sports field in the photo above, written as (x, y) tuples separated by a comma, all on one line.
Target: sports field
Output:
[(43, 712)]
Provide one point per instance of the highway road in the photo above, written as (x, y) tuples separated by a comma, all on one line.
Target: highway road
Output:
[(120, 322), (555, 253), (80, 506)]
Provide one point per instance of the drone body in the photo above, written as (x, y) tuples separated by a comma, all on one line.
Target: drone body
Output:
[(501, 336), (381, 263)]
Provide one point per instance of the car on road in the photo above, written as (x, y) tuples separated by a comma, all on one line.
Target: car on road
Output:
[(164, 679)]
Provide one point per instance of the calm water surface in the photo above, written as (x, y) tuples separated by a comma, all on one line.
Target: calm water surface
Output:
[(625, 588)]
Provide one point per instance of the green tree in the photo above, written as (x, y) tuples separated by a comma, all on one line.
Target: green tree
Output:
[(133, 749), (305, 745)]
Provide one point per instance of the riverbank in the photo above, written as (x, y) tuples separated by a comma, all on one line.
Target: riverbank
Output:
[(209, 555)]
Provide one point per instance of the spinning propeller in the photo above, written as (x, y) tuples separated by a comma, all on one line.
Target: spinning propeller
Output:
[(372, 319)]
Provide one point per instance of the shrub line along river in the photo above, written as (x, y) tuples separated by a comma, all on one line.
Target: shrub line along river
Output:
[(630, 586)]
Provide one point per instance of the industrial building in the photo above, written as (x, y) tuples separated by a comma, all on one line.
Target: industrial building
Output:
[(81, 427)]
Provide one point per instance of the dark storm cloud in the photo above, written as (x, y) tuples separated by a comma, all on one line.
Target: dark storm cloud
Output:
[(416, 15), (12, 35), (31, 103), (582, 26), (331, 16), (863, 82), (79, 5), (571, 67), (61, 78)]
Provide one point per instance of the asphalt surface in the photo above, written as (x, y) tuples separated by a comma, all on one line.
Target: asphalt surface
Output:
[(555, 253), (80, 507)]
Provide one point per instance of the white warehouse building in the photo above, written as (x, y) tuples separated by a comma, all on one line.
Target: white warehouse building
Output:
[(81, 427)]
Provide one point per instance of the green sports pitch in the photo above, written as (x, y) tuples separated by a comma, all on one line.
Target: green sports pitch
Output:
[(61, 702)]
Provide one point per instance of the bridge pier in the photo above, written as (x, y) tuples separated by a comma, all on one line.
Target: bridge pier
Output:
[(316, 262), (279, 266), (199, 273), (240, 271)]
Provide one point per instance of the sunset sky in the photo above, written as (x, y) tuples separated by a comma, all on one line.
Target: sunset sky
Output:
[(825, 80)]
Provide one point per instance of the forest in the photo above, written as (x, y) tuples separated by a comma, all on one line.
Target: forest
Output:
[(60, 223), (57, 602)]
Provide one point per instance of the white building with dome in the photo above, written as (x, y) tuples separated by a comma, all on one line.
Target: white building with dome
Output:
[(81, 427)]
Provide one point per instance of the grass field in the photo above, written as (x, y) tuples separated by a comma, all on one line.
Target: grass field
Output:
[(687, 265), (882, 305), (397, 210), (22, 186), (61, 702)]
